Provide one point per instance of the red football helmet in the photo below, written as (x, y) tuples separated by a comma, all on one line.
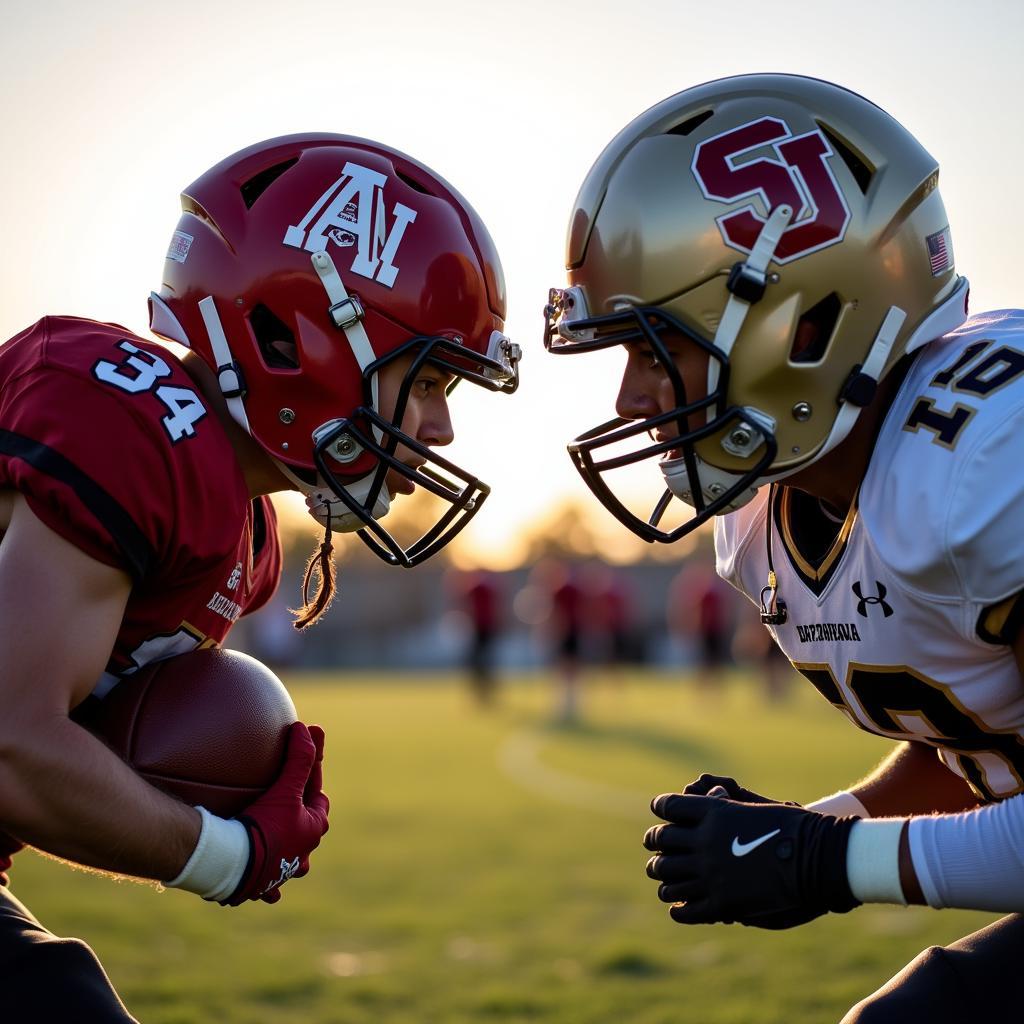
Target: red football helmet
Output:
[(299, 268)]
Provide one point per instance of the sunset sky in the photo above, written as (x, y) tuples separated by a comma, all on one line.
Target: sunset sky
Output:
[(110, 108)]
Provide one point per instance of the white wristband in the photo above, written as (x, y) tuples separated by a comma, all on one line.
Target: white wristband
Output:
[(873, 861), (218, 861), (841, 804)]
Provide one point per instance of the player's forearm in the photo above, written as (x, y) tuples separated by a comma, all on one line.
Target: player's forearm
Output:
[(64, 792), (912, 780)]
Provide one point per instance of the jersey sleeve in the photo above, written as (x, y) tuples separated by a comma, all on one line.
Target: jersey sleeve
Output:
[(984, 541), (89, 467), (972, 860)]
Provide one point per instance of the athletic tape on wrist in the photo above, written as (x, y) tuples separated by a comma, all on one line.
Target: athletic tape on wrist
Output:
[(218, 861), (873, 861), (842, 805)]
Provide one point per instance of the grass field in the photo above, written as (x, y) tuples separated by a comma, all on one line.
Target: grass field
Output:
[(487, 867)]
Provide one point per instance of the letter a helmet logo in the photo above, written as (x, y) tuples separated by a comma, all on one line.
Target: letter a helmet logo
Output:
[(801, 177), (351, 213)]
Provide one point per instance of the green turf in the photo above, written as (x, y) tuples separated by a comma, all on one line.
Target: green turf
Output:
[(487, 867)]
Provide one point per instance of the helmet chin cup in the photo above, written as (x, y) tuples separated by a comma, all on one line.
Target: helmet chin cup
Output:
[(747, 434), (713, 484), (324, 507)]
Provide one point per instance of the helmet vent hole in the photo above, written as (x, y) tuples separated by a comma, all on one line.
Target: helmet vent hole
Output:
[(857, 166), (274, 339), (690, 124), (256, 186), (814, 330), (412, 183)]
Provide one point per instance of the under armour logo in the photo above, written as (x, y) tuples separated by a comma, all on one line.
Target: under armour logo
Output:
[(863, 602)]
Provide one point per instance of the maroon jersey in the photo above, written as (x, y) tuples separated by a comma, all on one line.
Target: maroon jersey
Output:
[(115, 449)]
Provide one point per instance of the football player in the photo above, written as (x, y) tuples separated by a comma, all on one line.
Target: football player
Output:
[(320, 297), (773, 257)]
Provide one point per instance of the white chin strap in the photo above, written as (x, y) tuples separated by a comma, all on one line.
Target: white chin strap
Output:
[(163, 322), (756, 269), (347, 313)]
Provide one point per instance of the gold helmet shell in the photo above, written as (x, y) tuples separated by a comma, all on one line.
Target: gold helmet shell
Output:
[(791, 225)]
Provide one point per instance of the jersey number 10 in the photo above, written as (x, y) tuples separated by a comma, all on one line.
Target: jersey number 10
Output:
[(996, 370)]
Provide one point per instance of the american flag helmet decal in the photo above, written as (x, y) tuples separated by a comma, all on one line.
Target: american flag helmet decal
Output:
[(940, 251)]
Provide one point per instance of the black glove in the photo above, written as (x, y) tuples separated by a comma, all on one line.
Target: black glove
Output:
[(761, 864), (734, 791)]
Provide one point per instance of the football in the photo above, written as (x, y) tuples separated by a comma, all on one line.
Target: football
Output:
[(208, 727)]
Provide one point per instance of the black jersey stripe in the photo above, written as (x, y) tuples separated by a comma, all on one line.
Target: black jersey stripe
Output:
[(136, 549)]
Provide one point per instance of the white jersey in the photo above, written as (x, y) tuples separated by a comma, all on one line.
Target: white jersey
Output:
[(904, 624)]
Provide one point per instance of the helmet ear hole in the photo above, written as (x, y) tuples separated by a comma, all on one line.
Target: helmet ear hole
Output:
[(814, 330), (274, 340)]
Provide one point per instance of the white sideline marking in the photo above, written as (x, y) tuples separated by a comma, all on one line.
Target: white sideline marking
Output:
[(519, 759)]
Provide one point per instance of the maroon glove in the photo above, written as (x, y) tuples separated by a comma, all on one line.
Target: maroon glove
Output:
[(9, 846), (287, 822)]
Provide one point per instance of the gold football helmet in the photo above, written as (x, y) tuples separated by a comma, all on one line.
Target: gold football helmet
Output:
[(794, 232)]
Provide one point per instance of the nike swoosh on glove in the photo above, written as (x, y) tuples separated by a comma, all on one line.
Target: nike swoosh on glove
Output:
[(760, 864), (287, 822)]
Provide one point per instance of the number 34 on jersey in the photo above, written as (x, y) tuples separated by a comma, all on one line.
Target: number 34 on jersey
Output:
[(141, 372)]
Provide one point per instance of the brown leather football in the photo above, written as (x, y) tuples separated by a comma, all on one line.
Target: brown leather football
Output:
[(208, 727)]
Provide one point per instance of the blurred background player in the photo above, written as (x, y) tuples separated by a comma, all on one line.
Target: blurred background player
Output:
[(700, 613), (559, 614), (773, 256), (320, 296), (481, 600), (610, 608)]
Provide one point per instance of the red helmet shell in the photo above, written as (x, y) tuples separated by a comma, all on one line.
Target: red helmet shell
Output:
[(404, 242)]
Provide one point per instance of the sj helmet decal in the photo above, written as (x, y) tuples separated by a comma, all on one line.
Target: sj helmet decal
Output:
[(800, 178), (351, 213)]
